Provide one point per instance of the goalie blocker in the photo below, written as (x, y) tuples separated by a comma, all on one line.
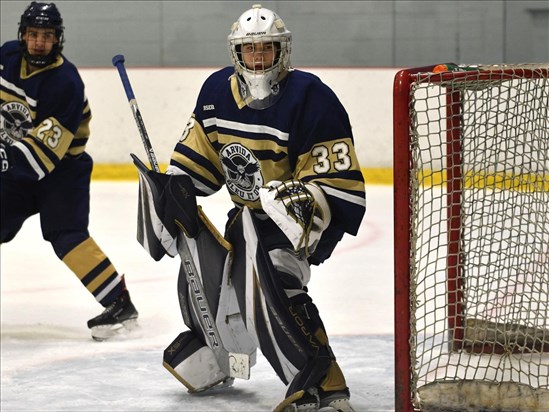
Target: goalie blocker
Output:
[(234, 300)]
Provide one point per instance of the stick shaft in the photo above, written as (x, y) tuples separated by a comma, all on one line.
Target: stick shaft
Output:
[(118, 62)]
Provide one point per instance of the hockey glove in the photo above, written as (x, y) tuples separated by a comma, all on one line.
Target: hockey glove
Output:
[(166, 204), (300, 210), (6, 159)]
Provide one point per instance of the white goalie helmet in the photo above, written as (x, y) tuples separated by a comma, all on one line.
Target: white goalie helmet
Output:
[(260, 26)]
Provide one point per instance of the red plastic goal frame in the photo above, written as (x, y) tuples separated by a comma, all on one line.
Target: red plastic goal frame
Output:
[(402, 163)]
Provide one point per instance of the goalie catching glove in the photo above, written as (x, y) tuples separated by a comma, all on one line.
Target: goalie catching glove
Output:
[(300, 210)]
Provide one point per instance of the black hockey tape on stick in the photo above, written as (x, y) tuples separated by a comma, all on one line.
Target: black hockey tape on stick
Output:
[(118, 62)]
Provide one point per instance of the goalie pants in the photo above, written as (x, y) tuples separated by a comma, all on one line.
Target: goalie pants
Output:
[(62, 199)]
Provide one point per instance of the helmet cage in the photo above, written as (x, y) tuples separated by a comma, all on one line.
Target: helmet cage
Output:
[(281, 62), (259, 25), (41, 15)]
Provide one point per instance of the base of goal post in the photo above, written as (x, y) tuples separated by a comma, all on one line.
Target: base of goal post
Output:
[(474, 396), (483, 336)]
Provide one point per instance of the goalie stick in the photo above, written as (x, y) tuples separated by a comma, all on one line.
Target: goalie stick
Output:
[(118, 62), (199, 303)]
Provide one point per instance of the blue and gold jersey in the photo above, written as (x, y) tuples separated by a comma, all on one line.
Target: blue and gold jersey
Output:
[(305, 135), (45, 114)]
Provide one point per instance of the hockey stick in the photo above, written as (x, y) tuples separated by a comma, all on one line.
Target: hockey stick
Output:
[(118, 62), (199, 303)]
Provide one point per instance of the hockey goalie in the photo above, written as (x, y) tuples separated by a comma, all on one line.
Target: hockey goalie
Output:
[(280, 141)]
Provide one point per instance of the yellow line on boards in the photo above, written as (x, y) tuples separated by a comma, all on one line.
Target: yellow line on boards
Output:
[(127, 171)]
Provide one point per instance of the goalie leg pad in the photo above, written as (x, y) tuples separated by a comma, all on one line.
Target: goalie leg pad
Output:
[(208, 302), (194, 364), (288, 330)]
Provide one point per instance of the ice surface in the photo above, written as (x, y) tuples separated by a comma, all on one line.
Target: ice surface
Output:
[(50, 363)]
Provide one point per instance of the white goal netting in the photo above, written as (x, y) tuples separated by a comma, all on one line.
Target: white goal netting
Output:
[(479, 219)]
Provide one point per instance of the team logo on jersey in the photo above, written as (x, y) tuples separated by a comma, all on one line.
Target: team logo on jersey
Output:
[(15, 121), (242, 172)]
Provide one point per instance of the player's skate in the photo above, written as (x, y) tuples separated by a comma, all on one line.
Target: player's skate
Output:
[(337, 401), (119, 318), (314, 400)]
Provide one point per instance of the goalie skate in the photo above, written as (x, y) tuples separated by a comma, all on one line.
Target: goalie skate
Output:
[(117, 320), (335, 402), (225, 383), (314, 400)]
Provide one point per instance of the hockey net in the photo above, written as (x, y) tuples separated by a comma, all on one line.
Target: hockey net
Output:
[(471, 175)]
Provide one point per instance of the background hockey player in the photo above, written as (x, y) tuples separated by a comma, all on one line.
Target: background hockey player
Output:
[(45, 169), (281, 142)]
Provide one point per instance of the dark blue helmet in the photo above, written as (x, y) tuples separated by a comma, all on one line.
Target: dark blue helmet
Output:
[(44, 15)]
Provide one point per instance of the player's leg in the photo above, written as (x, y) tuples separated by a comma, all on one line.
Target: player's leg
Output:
[(283, 318), (64, 209), (18, 205)]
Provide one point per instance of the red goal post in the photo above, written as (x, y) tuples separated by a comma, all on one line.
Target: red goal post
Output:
[(471, 237)]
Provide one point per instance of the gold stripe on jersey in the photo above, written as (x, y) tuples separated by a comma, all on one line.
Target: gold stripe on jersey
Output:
[(253, 144), (275, 170), (196, 168), (84, 258), (82, 135), (86, 112), (198, 141)]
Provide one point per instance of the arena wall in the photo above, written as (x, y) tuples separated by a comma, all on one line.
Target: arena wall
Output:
[(166, 98)]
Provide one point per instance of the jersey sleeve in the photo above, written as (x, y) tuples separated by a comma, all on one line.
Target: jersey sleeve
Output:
[(196, 152), (325, 154), (61, 114), (195, 156)]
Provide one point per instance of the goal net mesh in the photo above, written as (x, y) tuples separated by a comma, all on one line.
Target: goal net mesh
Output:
[(479, 191)]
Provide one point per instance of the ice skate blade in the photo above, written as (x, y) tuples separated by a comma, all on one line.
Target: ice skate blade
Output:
[(218, 386), (308, 407), (314, 408), (289, 404), (338, 405), (116, 331)]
